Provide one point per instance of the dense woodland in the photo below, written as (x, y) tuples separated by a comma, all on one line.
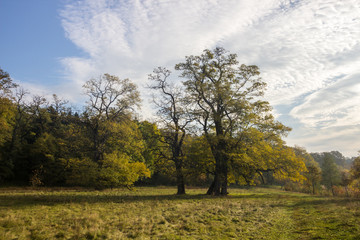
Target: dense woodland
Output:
[(214, 129)]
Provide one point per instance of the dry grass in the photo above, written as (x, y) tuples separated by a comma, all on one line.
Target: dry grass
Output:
[(156, 213)]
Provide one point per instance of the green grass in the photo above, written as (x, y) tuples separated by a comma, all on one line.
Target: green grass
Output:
[(156, 213)]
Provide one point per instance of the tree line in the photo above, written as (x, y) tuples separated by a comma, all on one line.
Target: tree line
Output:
[(214, 128)]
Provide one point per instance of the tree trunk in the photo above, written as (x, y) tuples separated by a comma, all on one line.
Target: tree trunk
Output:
[(211, 188), (219, 185), (261, 177), (224, 188), (214, 188), (180, 180), (224, 182)]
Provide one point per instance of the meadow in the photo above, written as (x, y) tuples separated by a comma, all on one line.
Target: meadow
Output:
[(156, 213)]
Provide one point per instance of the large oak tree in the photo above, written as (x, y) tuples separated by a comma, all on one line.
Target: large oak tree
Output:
[(225, 101)]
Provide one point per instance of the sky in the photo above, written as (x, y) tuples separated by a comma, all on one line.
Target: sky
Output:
[(308, 52)]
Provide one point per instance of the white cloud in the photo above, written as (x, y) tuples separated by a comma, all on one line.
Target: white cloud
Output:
[(299, 49), (130, 38), (150, 33), (343, 139), (334, 106), (307, 50)]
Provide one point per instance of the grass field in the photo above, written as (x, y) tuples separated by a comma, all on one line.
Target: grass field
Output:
[(156, 213)]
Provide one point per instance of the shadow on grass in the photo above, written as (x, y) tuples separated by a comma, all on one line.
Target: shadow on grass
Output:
[(54, 199), (325, 201), (49, 198)]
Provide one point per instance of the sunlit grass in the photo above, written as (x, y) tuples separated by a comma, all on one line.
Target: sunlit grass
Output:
[(156, 213)]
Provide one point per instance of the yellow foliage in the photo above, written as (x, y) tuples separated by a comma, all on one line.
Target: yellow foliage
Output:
[(117, 170), (114, 171), (258, 155), (7, 115)]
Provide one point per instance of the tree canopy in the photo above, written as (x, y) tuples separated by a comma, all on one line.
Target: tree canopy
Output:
[(225, 100)]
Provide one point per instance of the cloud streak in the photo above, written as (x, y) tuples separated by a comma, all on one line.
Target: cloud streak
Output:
[(307, 50)]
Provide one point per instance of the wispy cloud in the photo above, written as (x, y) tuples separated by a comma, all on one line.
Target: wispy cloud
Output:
[(307, 49), (334, 106), (343, 139)]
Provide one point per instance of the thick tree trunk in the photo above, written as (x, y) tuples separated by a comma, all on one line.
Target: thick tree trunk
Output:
[(180, 179), (224, 183), (224, 188), (211, 188), (219, 185), (215, 187), (224, 172)]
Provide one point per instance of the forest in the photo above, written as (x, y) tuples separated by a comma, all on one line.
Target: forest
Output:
[(213, 128)]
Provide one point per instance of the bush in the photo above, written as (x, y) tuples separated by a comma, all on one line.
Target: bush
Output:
[(116, 170)]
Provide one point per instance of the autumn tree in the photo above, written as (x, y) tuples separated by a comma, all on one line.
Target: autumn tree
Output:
[(151, 136), (39, 139), (346, 180), (170, 102), (116, 144), (199, 163), (264, 157), (47, 143), (110, 99), (313, 173), (355, 169), (7, 114), (6, 105), (225, 101), (6, 83), (20, 122)]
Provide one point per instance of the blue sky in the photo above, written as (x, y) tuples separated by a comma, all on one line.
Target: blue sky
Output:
[(33, 40), (308, 52)]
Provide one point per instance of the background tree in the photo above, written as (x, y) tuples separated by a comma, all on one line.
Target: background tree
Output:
[(313, 173), (355, 169), (6, 83), (346, 180), (339, 159), (330, 172), (313, 176), (199, 163), (171, 110), (117, 169), (152, 140), (110, 100), (7, 115), (225, 102), (40, 140), (6, 106), (264, 158), (116, 141)]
